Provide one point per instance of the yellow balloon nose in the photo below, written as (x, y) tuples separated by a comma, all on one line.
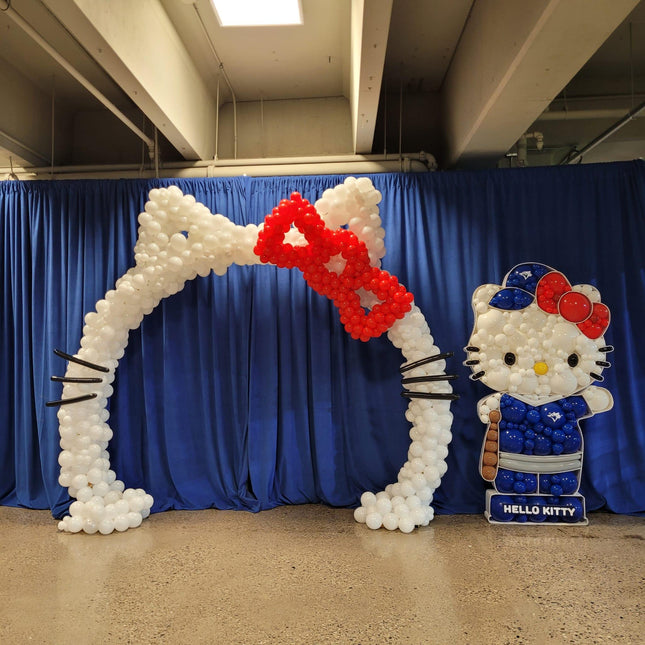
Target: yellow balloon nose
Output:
[(540, 368)]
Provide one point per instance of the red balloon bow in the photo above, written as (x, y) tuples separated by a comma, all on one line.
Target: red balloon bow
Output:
[(323, 244), (554, 295)]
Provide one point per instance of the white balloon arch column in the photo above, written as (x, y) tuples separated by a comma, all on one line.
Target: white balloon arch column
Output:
[(178, 240)]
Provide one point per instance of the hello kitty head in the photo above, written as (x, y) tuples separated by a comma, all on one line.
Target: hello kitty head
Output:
[(536, 336)]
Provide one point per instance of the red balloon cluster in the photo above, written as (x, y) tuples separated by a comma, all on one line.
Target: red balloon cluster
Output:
[(550, 289), (595, 326), (323, 244), (554, 295)]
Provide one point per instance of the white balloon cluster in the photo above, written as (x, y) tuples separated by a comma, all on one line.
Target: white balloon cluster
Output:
[(406, 503), (354, 204), (178, 240)]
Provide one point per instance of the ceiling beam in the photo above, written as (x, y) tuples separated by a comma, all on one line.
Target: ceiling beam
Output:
[(370, 24), (512, 60), (137, 45)]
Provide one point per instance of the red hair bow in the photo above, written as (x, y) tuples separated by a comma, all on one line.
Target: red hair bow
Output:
[(555, 296), (323, 244)]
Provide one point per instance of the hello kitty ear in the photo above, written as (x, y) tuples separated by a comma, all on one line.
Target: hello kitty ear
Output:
[(483, 294), (353, 204), (589, 290)]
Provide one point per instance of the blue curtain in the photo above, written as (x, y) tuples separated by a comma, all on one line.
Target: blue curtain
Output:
[(245, 392)]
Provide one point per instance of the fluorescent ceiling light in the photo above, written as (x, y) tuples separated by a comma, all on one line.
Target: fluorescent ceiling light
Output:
[(258, 13)]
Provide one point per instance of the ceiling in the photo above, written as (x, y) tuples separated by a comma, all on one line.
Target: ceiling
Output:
[(480, 83)]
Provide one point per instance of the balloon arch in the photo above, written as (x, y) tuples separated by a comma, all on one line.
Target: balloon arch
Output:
[(338, 245)]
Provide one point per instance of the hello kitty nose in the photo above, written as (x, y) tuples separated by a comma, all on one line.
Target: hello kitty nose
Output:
[(540, 368)]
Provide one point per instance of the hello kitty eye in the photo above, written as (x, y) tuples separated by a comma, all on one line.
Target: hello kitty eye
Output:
[(509, 358), (573, 360)]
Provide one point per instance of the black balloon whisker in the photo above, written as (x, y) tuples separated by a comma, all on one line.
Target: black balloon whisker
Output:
[(76, 379), (440, 396), (603, 363), (75, 399), (80, 361), (606, 349), (476, 377), (596, 377), (424, 361), (429, 379)]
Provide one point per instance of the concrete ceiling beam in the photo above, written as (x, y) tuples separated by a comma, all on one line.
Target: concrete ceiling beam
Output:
[(512, 60), (370, 24), (137, 45)]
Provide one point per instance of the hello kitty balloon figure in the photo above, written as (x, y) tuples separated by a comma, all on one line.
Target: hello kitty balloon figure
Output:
[(538, 342)]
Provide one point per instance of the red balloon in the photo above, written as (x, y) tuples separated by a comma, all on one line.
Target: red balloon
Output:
[(574, 306)]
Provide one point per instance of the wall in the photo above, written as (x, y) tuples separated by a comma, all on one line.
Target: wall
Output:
[(31, 126), (291, 128)]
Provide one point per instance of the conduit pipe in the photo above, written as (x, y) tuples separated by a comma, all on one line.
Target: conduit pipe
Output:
[(581, 115), (605, 135), (340, 164), (70, 69), (222, 71), (216, 155)]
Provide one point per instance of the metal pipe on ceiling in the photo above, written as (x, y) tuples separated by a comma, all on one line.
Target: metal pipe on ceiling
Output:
[(583, 98), (222, 71), (216, 155), (70, 69), (603, 136), (339, 164), (582, 115)]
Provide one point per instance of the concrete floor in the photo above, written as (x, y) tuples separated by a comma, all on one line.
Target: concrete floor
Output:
[(310, 574)]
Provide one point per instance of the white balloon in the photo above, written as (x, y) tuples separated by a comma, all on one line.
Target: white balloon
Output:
[(406, 524), (374, 520), (121, 523), (360, 514), (84, 494), (383, 506), (390, 521), (74, 524), (134, 520), (122, 506), (368, 499), (418, 515)]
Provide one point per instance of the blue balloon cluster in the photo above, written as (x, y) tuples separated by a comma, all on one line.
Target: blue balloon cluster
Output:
[(511, 299), (526, 276), (519, 287), (551, 429), (560, 484), (508, 481)]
